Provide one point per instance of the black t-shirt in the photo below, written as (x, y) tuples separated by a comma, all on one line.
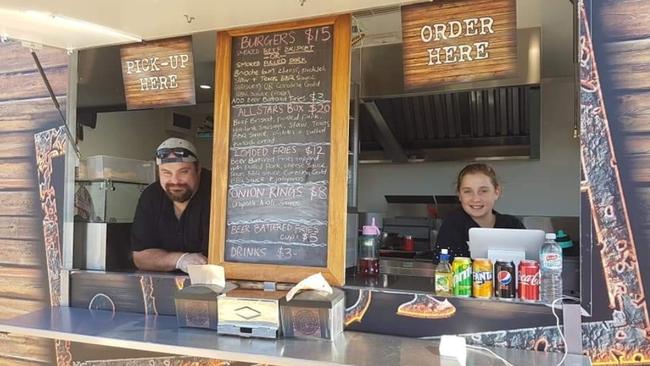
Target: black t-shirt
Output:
[(454, 232), (155, 224)]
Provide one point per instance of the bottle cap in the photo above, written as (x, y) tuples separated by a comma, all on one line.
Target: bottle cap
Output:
[(563, 239), (371, 229), (550, 236)]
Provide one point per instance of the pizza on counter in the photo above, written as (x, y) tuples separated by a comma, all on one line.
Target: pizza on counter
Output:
[(427, 307)]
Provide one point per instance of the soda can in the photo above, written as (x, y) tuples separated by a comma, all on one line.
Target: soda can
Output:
[(482, 278), (504, 280), (529, 277), (462, 272)]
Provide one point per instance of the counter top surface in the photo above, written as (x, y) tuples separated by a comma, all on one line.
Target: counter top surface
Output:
[(161, 334)]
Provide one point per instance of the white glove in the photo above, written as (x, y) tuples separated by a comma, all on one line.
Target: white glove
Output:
[(190, 258)]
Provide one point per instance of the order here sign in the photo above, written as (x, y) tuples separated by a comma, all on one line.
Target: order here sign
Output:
[(158, 73), (458, 41)]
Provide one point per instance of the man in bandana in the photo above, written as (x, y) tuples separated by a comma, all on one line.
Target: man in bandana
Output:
[(172, 220)]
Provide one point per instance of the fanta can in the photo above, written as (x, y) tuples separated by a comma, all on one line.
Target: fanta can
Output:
[(482, 275)]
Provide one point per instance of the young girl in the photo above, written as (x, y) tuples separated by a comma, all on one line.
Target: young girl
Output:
[(478, 190)]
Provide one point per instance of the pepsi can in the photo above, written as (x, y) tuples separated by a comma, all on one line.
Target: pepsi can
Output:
[(504, 280)]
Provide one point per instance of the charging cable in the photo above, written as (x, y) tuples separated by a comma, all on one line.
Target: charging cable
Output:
[(505, 362), (557, 323)]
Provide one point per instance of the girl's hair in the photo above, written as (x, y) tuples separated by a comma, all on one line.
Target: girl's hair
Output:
[(477, 168)]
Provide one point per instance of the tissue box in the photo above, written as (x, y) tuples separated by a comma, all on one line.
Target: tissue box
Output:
[(250, 313), (313, 314), (196, 306)]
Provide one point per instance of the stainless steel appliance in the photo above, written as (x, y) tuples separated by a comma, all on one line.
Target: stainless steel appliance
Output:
[(104, 211)]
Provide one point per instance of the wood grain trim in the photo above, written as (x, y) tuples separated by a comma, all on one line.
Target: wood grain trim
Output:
[(26, 108), (337, 209), (30, 349), (10, 307), (21, 253), (19, 203), (16, 145), (9, 361), (628, 64), (277, 27), (17, 174), (15, 227), (623, 19), (220, 152), (29, 115), (639, 168), (30, 84), (637, 145), (338, 181), (23, 283), (16, 58), (633, 112)]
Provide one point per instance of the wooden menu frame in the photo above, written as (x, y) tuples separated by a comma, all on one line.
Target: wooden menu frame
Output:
[(337, 199)]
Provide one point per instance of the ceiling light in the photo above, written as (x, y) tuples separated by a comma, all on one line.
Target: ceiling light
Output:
[(205, 86), (59, 31)]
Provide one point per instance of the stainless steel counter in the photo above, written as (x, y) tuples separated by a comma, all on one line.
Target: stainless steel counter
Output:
[(161, 334)]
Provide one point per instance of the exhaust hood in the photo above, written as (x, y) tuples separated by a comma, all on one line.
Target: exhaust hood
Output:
[(493, 119)]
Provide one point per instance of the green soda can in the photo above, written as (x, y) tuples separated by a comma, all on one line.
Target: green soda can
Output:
[(462, 272)]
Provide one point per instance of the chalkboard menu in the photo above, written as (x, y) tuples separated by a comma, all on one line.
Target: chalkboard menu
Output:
[(279, 147), (284, 147)]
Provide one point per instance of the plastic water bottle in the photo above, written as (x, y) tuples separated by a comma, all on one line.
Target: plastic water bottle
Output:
[(550, 258), (443, 276)]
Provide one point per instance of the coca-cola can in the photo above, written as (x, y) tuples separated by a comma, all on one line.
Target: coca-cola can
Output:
[(529, 276)]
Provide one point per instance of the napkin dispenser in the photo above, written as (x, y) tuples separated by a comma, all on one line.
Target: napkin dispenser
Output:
[(196, 305), (250, 313), (313, 314)]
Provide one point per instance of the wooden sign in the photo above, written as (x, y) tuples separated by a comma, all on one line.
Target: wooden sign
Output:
[(158, 74), (458, 41), (280, 184)]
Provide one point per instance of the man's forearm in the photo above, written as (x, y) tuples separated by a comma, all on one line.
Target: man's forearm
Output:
[(156, 259)]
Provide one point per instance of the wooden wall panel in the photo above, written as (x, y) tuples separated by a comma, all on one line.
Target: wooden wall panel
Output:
[(636, 144), (29, 115), (19, 203), (30, 84), (26, 348), (18, 227), (624, 20), (25, 108), (6, 361), (628, 65), (16, 58), (640, 170), (20, 253), (17, 173), (621, 44), (23, 283), (10, 308), (16, 145), (634, 113)]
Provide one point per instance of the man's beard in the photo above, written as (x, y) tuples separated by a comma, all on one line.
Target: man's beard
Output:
[(181, 196)]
